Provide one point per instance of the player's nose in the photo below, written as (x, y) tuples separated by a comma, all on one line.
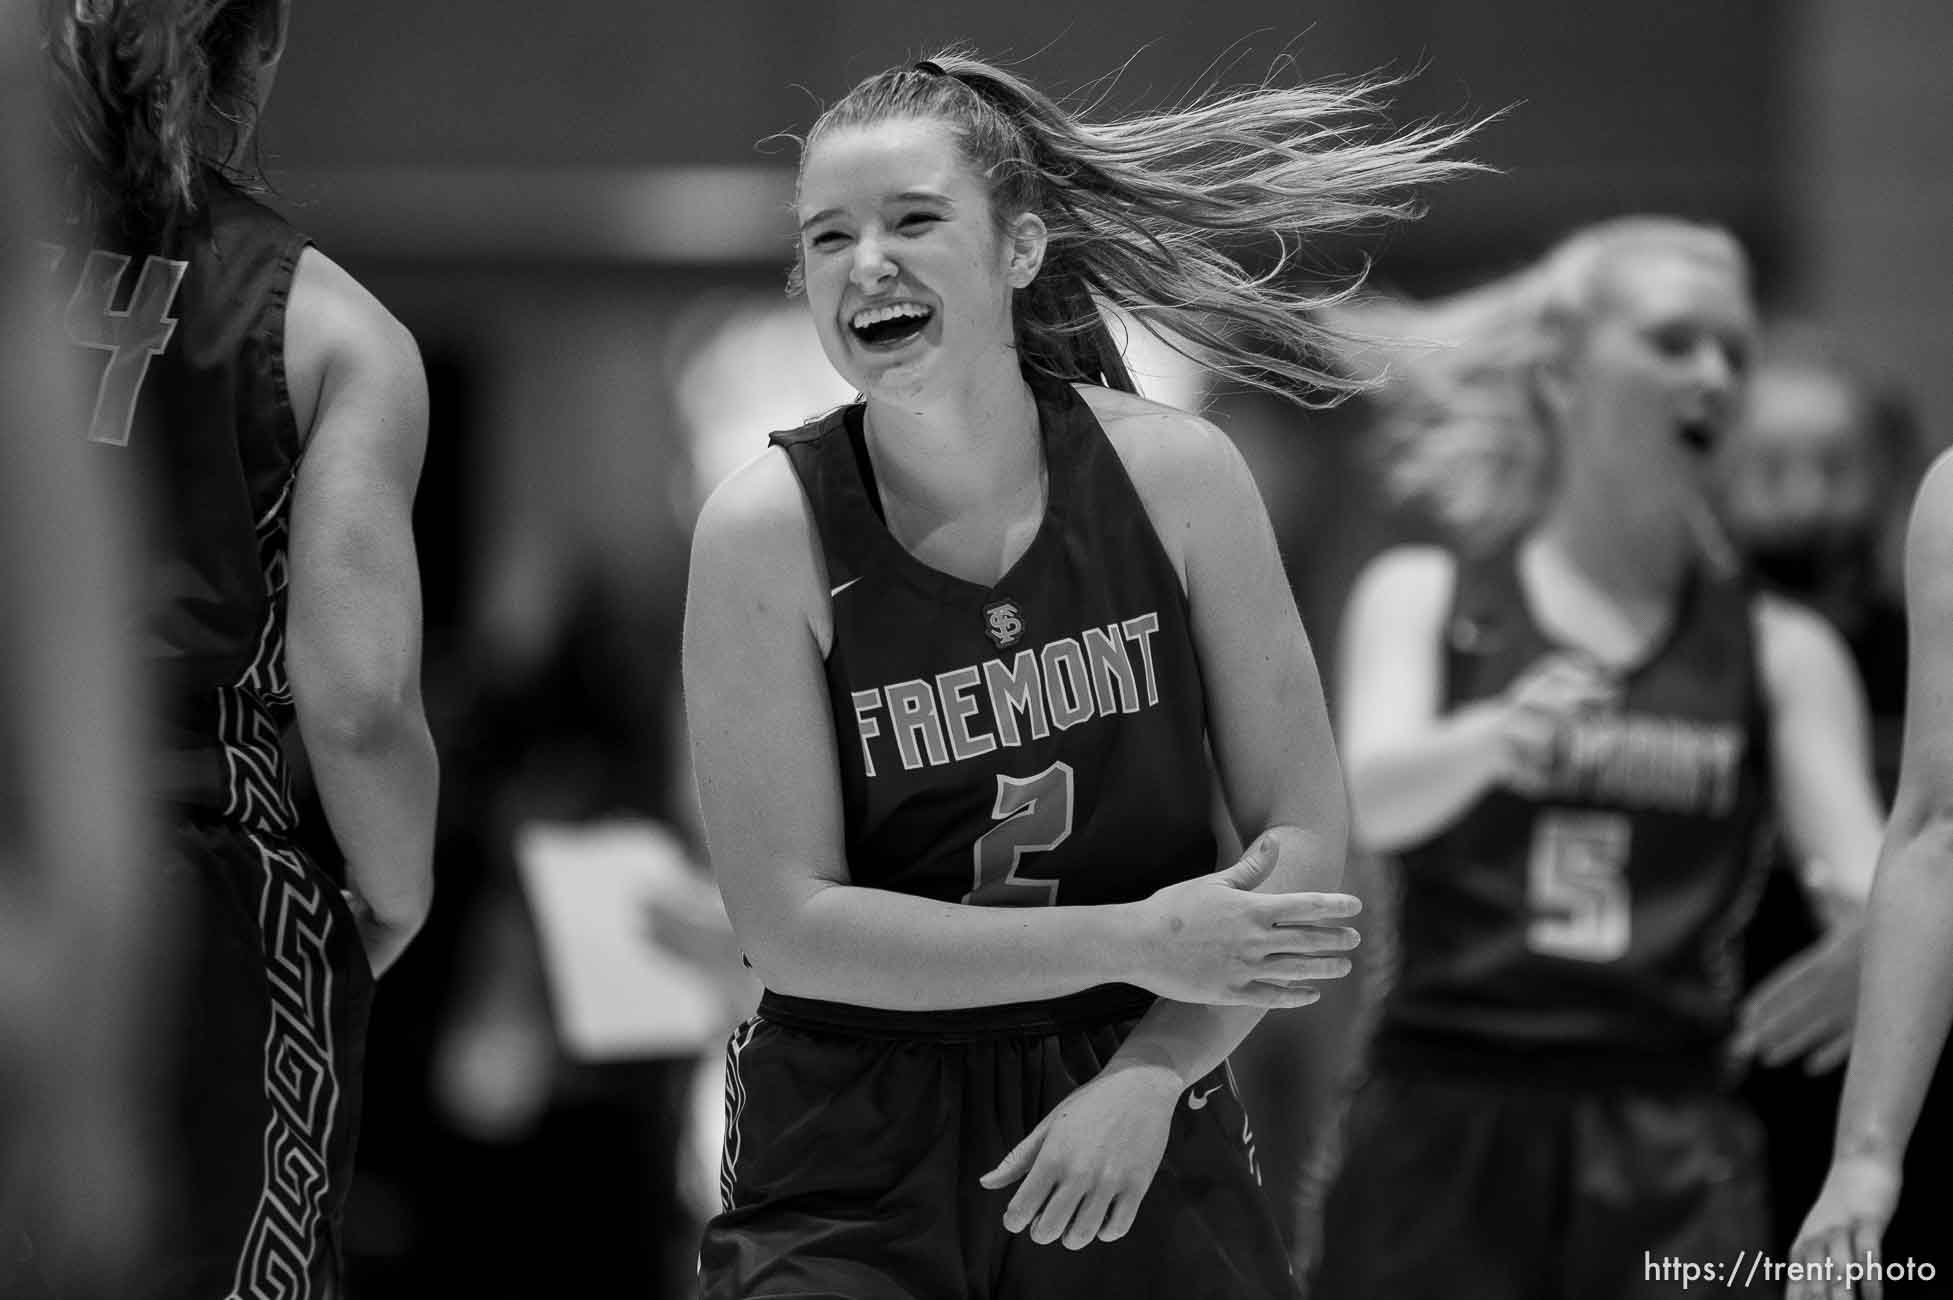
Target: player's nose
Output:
[(871, 266)]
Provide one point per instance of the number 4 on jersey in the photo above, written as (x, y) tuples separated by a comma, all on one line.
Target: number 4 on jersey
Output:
[(131, 337), (1033, 816)]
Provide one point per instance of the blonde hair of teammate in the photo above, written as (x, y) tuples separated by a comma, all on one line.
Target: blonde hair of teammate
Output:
[(1467, 434), (1153, 212)]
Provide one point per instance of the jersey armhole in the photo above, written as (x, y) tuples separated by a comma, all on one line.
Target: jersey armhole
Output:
[(1156, 536), (299, 431), (1762, 707), (1457, 613), (799, 448)]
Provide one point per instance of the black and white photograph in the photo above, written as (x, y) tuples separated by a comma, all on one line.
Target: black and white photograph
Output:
[(1008, 651)]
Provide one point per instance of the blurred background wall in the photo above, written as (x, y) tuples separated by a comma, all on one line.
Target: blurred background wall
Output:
[(540, 191)]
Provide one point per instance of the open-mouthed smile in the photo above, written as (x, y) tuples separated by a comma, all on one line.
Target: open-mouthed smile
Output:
[(889, 325)]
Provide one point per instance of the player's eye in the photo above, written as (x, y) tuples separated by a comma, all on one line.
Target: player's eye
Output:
[(1738, 355), (1675, 344), (827, 240)]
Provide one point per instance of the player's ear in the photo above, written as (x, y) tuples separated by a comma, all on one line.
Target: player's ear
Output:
[(277, 29), (1025, 239), (1553, 385)]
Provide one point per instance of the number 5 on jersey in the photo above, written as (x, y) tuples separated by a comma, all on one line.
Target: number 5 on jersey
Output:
[(1033, 815), (1577, 888)]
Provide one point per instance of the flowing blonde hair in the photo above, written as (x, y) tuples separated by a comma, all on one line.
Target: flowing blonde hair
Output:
[(1143, 211), (1466, 433)]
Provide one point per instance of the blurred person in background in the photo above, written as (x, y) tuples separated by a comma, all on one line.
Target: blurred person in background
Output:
[(269, 417), (1812, 482), (79, 923), (1013, 604), (1567, 729)]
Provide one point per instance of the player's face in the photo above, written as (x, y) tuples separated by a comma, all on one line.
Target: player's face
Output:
[(908, 279), (1801, 467), (1656, 379)]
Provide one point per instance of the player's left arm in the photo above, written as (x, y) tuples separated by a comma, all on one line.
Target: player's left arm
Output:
[(353, 625), (1087, 1166), (1827, 800), (1267, 721)]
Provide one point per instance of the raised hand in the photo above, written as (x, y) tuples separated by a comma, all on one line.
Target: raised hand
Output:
[(1536, 708)]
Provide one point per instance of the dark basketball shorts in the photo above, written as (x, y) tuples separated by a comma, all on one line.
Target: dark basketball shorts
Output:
[(263, 1071), (852, 1159), (1484, 1188)]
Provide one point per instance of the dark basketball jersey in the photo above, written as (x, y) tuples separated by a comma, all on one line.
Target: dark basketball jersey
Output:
[(1597, 922), (1033, 743), (181, 331), (180, 326)]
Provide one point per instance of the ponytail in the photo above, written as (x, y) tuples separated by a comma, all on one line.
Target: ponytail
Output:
[(146, 92), (1140, 211)]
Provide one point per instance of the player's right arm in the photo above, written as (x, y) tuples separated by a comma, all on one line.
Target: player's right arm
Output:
[(763, 747), (353, 634), (1905, 992), (1414, 769)]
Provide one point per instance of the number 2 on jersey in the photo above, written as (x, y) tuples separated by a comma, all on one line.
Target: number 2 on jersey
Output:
[(1033, 815), (1576, 886)]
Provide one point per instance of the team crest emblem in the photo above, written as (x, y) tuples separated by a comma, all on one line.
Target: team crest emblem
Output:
[(1003, 623)]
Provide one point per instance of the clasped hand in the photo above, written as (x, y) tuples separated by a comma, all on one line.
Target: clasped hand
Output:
[(1218, 943)]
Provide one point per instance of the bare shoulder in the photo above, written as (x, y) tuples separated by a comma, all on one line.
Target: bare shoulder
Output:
[(756, 536), (760, 503), (1160, 444), (1776, 617), (336, 330), (1795, 643), (326, 298), (1411, 580), (1929, 540), (1189, 475)]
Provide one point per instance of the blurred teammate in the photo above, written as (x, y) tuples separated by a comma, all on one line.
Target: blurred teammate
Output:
[(270, 417), (954, 657), (1813, 483), (1566, 730)]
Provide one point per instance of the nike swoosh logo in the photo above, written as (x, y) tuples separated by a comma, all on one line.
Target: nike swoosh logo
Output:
[(835, 591), (1198, 1100)]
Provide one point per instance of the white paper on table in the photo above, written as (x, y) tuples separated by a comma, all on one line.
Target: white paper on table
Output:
[(616, 994)]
